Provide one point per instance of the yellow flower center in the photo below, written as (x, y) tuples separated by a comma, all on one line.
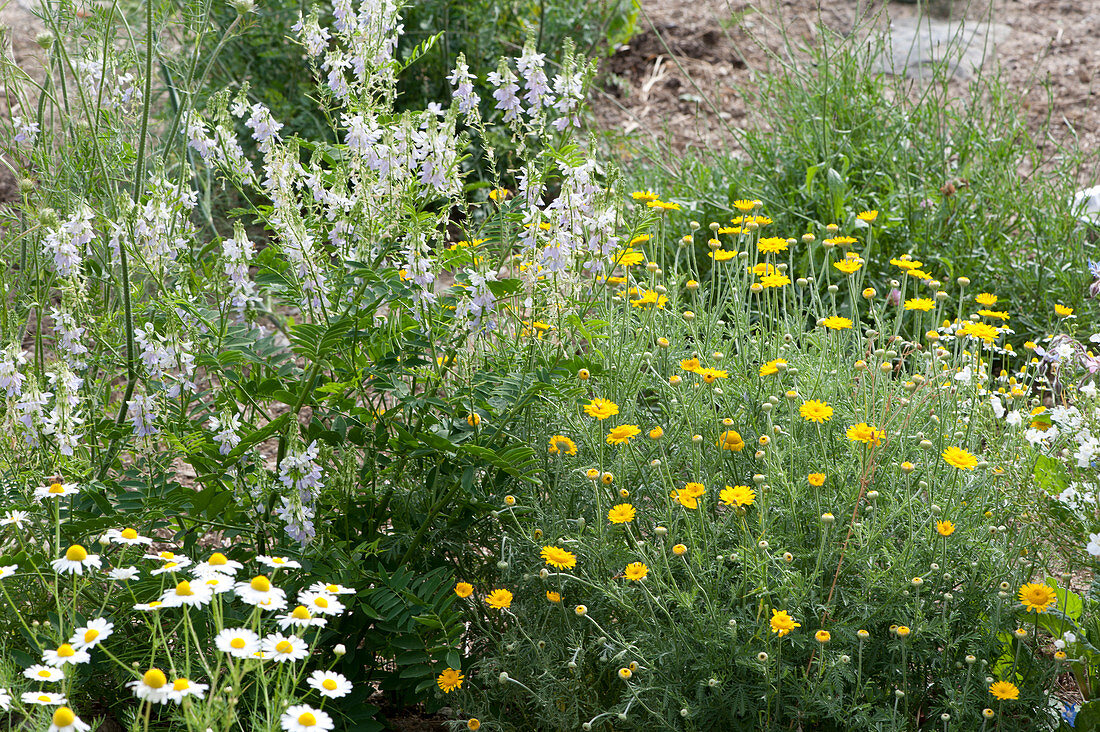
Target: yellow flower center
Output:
[(217, 559), (278, 560), (322, 602), (90, 635), (129, 534), (237, 643), (166, 556), (332, 588), (306, 719), (181, 684), (328, 684), (284, 647), (154, 678), (65, 651), (184, 589), (63, 717), (76, 553), (300, 613), (260, 584), (43, 698), (45, 674), (57, 488)]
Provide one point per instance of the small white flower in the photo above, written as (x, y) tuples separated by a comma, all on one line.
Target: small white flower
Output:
[(303, 718), (260, 592), (92, 634), (18, 519), (56, 490), (44, 698), (1059, 644), (5, 700), (152, 687), (1014, 418), (126, 536), (64, 654), (124, 573), (42, 673), (237, 642), (300, 617), (217, 582), (331, 589), (284, 648), (186, 687), (278, 562), (1069, 637), (185, 594), (8, 570), (1094, 545), (218, 562), (173, 565), (167, 556), (64, 720), (146, 607), (75, 561), (329, 684), (321, 602)]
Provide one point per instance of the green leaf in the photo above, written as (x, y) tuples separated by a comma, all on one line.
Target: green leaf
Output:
[(1088, 717), (1051, 475), (1069, 602)]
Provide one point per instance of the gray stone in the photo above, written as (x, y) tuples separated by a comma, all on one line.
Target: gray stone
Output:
[(913, 47)]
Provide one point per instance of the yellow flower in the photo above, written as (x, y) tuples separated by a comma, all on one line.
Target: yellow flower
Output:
[(498, 194), (849, 265), (644, 196), (985, 298), (919, 274), (816, 479), (731, 440), (649, 298), (473, 724), (474, 419), (772, 367), (621, 513), (601, 408), (822, 636), (775, 280), (1004, 690), (745, 205), (688, 496), (562, 444), (998, 314), (815, 411), (499, 599), (679, 550), (710, 375), (629, 257), (663, 205), (722, 255), (636, 571), (959, 458), (837, 323), (868, 216), (450, 680), (621, 435), (558, 557), (782, 623), (902, 631), (864, 433), (772, 245), (656, 433), (920, 303), (554, 597), (906, 263), (464, 589), (690, 364), (1037, 597), (738, 495), (1063, 311), (945, 528), (762, 270), (986, 332)]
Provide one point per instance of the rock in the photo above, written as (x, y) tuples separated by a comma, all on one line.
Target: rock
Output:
[(914, 46), (1086, 206)]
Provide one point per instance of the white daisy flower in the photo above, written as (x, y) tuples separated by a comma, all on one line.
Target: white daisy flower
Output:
[(124, 574), (284, 648), (8, 571), (304, 718), (216, 581), (42, 673), (300, 617), (218, 562), (149, 606), (237, 642), (332, 589), (186, 687), (56, 490), (75, 561), (64, 654), (92, 634), (152, 687), (5, 700), (260, 592), (321, 602), (126, 536), (184, 594), (65, 720), (43, 698), (278, 562), (167, 556), (14, 518), (172, 565), (329, 684)]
